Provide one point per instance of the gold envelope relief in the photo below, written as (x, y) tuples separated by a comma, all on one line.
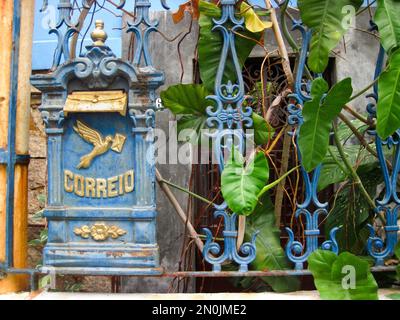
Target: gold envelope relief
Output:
[(96, 101), (101, 144)]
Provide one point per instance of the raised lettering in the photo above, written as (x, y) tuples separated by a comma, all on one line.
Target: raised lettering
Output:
[(68, 175), (79, 185), (90, 187), (121, 184), (129, 181), (101, 185), (112, 188)]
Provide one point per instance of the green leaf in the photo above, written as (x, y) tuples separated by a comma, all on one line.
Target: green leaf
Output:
[(252, 20), (318, 115), (397, 254), (242, 182), (394, 296), (352, 212), (210, 47), (209, 9), (332, 276), (269, 255), (326, 18), (345, 133), (332, 173), (188, 101), (45, 281), (358, 156), (387, 20), (397, 251), (263, 131), (388, 108)]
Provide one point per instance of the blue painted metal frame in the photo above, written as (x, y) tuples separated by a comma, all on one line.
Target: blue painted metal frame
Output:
[(295, 250), (8, 157), (229, 117), (379, 248)]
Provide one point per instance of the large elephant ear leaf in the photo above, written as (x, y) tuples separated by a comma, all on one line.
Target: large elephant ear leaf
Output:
[(388, 109), (327, 19), (241, 182), (318, 115), (189, 102), (388, 22), (343, 277)]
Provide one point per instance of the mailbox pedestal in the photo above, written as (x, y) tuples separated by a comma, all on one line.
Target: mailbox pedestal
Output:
[(99, 117)]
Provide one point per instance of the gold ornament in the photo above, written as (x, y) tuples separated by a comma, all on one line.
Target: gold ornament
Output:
[(99, 232)]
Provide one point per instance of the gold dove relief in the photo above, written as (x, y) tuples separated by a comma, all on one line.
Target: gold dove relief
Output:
[(100, 145)]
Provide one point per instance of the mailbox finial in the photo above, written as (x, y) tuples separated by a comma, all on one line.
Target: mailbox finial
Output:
[(99, 36)]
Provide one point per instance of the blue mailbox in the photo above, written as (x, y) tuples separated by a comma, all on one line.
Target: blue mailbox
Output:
[(99, 116)]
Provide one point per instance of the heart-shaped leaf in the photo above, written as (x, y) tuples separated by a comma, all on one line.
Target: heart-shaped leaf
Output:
[(242, 182), (189, 102), (318, 115), (388, 109), (343, 277)]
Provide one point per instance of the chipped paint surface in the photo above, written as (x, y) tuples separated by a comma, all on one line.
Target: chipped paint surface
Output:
[(101, 208)]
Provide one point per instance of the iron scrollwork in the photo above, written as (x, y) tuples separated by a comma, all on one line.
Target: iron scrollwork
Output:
[(228, 117), (65, 28), (388, 207), (295, 250)]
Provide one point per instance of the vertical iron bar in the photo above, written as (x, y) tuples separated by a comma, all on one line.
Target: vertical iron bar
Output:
[(12, 113)]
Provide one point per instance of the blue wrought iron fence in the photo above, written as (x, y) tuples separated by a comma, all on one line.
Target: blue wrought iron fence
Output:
[(229, 117)]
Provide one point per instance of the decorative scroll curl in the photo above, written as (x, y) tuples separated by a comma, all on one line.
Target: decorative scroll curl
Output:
[(296, 251), (212, 250), (228, 116), (388, 207)]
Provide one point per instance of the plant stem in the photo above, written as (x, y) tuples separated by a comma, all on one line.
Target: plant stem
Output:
[(337, 161), (285, 30), (184, 217), (360, 93), (351, 170), (284, 168), (348, 123), (357, 115), (186, 191), (355, 176), (281, 45), (366, 8), (360, 138)]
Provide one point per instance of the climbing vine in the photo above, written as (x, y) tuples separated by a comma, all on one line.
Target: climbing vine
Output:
[(332, 141)]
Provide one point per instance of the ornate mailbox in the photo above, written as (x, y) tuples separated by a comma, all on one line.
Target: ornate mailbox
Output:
[(99, 116)]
